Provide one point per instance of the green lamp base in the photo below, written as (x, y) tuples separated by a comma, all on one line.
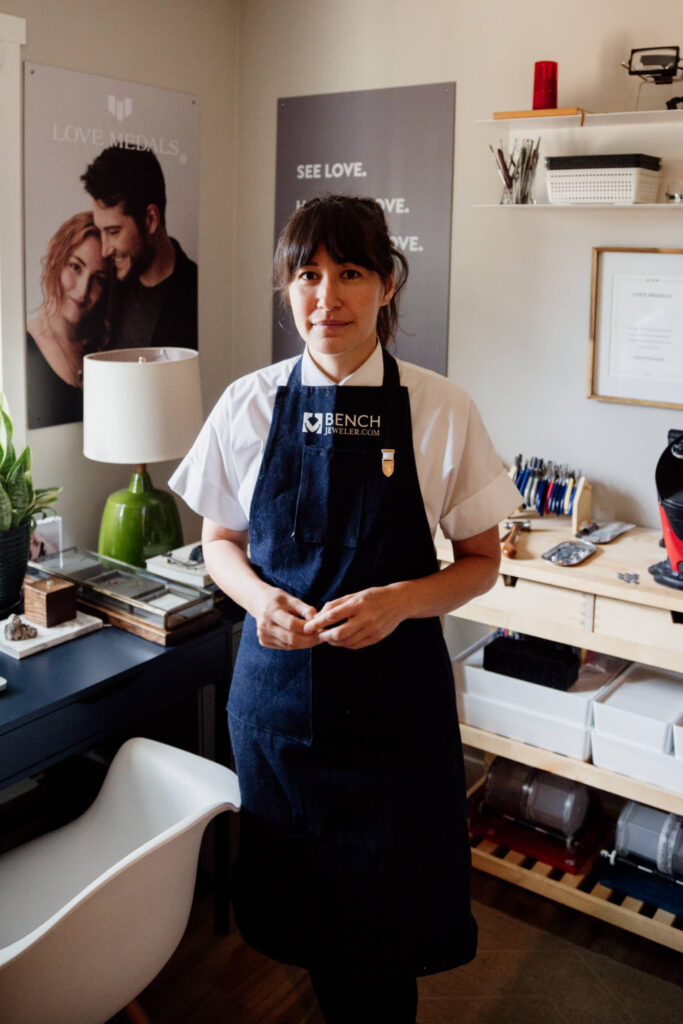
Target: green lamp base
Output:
[(139, 522)]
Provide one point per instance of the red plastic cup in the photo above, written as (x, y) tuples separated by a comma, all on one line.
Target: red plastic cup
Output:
[(545, 85)]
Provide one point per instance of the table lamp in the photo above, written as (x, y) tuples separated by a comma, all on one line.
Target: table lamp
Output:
[(140, 405)]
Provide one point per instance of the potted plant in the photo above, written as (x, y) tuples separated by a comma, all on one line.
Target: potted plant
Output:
[(20, 505)]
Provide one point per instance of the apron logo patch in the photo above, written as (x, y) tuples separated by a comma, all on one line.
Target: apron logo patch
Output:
[(388, 461), (313, 423), (358, 424)]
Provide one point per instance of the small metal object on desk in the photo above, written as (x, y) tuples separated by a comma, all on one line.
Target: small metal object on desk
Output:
[(629, 577), (603, 533), (570, 552)]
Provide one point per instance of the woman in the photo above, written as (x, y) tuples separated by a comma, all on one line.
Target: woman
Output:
[(70, 323), (336, 468)]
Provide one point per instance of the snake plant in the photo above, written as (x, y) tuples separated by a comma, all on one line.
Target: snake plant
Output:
[(20, 502)]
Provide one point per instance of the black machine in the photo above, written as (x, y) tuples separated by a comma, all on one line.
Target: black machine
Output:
[(669, 481)]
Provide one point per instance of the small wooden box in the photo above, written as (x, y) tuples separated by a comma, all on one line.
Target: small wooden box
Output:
[(49, 602)]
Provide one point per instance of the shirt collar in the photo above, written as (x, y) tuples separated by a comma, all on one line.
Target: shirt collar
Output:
[(369, 374)]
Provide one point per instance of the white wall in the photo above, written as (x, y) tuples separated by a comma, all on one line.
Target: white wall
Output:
[(186, 45), (520, 282), (520, 279)]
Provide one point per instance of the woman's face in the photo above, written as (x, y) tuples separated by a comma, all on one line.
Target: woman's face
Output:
[(83, 279), (335, 307)]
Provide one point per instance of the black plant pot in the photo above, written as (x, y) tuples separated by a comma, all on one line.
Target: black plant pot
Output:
[(15, 546)]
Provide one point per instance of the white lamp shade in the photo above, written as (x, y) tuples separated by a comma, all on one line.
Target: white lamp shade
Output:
[(140, 405)]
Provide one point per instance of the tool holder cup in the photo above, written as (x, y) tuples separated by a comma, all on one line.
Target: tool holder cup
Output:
[(548, 491)]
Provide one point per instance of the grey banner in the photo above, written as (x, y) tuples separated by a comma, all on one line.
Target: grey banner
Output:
[(395, 145)]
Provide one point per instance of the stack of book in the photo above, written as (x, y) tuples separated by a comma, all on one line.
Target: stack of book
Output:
[(185, 565)]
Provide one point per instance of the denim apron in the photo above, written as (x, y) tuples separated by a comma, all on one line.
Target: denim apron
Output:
[(354, 853)]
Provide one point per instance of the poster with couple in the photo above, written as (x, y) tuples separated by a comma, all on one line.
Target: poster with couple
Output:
[(111, 172)]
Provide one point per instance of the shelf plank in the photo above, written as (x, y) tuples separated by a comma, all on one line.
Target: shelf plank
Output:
[(577, 206), (633, 551), (570, 768), (614, 119), (656, 929)]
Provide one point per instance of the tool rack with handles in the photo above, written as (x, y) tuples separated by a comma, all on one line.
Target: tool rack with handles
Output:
[(587, 606), (576, 501)]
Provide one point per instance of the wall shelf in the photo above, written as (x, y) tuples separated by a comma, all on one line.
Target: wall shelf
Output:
[(616, 119), (658, 132), (577, 206)]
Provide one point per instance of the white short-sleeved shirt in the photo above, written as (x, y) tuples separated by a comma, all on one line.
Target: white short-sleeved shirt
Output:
[(464, 486)]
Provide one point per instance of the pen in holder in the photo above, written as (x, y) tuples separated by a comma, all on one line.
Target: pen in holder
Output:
[(517, 171)]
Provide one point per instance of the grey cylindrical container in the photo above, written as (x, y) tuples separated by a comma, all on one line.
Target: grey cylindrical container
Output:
[(652, 835), (536, 796)]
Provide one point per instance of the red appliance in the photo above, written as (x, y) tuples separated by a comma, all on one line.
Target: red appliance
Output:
[(669, 481)]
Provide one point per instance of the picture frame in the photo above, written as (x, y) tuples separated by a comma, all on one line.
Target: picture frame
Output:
[(636, 327)]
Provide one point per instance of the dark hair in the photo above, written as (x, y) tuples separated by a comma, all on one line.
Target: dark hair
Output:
[(130, 176), (353, 230)]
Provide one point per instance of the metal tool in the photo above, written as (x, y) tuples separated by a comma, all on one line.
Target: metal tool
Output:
[(509, 541)]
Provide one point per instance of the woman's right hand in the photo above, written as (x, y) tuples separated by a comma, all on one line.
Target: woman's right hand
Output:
[(280, 620), (280, 617)]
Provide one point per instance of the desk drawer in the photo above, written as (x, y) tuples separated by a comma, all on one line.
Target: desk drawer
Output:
[(113, 707), (555, 605), (651, 630)]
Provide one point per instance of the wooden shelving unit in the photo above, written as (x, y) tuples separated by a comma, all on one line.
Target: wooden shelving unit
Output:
[(586, 606)]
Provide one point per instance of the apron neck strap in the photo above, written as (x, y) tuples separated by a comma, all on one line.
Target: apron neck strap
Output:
[(391, 375)]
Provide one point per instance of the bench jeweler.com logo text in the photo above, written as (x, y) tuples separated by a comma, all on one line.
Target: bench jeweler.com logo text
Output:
[(361, 424)]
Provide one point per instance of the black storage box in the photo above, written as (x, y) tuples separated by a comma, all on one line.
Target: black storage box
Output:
[(536, 661)]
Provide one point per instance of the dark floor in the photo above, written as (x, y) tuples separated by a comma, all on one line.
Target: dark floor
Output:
[(538, 963)]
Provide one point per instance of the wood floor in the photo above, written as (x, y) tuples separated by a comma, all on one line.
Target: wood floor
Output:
[(538, 963)]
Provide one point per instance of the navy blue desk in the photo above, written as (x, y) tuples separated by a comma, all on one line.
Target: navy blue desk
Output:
[(62, 701)]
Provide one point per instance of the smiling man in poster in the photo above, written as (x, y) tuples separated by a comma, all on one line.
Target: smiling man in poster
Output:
[(155, 297)]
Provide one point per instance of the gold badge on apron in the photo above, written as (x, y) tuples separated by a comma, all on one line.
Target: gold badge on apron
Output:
[(388, 461)]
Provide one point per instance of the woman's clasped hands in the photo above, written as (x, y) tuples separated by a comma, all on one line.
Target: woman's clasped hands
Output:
[(353, 621)]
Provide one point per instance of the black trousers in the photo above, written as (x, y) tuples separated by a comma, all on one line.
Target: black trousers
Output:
[(363, 1001)]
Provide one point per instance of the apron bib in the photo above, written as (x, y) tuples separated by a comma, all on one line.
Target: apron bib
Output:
[(353, 848)]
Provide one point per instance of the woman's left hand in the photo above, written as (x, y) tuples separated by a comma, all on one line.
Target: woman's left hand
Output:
[(358, 620)]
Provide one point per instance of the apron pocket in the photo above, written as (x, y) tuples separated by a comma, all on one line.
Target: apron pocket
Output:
[(271, 689), (329, 505)]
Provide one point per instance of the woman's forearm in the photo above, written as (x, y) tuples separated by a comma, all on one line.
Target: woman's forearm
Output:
[(231, 570), (367, 616), (451, 587)]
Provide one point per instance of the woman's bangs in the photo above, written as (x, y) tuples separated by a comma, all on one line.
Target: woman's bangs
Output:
[(343, 238)]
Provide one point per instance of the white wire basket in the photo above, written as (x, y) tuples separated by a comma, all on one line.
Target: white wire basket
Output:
[(602, 184)]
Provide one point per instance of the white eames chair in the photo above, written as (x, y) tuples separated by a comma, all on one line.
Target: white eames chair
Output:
[(90, 913)]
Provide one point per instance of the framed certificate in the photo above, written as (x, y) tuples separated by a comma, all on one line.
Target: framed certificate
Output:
[(636, 327)]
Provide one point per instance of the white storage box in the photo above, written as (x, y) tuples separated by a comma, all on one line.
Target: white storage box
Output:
[(554, 719), (678, 737), (644, 763), (643, 708), (607, 178)]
